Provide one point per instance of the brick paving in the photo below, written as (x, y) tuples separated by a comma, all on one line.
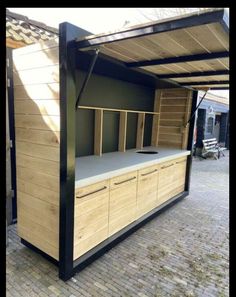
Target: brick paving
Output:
[(182, 252)]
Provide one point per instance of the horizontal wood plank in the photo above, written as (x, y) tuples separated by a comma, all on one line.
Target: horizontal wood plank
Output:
[(37, 107), (38, 150), (42, 122), (48, 138)]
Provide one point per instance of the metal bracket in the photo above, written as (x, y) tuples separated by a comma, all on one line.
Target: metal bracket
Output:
[(87, 77)]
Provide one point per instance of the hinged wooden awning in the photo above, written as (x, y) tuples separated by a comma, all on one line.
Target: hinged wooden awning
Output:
[(191, 50)]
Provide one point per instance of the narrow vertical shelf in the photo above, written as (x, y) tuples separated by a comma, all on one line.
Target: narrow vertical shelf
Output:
[(156, 118), (122, 131), (140, 130), (98, 127)]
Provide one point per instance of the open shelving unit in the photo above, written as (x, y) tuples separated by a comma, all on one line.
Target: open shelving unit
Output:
[(98, 135)]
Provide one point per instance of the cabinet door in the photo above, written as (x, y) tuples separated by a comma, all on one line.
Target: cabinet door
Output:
[(122, 207), (180, 172), (91, 217), (147, 190), (166, 181)]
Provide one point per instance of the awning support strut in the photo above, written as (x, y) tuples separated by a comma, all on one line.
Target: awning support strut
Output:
[(91, 66), (195, 109)]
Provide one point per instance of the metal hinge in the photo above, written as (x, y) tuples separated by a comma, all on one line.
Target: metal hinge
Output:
[(8, 82), (11, 143), (8, 62)]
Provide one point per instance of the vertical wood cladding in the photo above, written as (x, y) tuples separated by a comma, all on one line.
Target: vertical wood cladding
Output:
[(37, 126)]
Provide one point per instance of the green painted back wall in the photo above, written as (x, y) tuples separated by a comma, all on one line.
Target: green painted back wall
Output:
[(102, 91)]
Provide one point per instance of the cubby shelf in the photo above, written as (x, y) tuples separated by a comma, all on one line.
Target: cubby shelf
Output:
[(98, 127)]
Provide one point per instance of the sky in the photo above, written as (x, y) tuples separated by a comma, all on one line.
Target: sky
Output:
[(101, 20)]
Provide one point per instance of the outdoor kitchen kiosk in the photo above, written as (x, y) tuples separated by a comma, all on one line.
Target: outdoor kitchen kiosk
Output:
[(104, 130)]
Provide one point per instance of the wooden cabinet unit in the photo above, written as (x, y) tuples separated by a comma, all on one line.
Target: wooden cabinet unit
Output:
[(147, 190), (90, 217), (122, 206)]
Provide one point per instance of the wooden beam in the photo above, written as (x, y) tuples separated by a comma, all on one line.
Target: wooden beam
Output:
[(115, 109), (156, 118), (122, 131), (140, 130), (98, 127)]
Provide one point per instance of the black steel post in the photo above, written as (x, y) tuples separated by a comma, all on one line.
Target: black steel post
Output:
[(10, 90), (67, 55), (190, 140)]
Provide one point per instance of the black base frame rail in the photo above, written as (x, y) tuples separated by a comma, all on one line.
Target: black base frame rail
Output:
[(67, 266)]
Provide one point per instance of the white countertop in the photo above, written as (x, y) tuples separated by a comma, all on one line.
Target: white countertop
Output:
[(92, 169)]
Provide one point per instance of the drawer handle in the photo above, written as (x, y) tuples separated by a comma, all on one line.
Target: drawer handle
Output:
[(143, 174), (91, 192), (124, 181), (163, 167), (178, 162)]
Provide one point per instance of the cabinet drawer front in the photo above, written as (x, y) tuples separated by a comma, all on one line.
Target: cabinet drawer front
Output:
[(84, 246), (181, 160), (122, 207), (123, 180), (148, 172), (87, 224), (168, 164), (91, 190)]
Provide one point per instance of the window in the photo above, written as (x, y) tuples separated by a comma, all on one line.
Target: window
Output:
[(210, 125)]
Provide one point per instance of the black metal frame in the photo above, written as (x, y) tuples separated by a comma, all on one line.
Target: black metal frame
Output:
[(168, 25), (205, 83), (12, 133), (180, 59), (194, 74)]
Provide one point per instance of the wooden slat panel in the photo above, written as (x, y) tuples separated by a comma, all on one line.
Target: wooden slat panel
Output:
[(37, 121), (122, 131), (174, 123), (37, 59), (44, 213), (41, 91), (39, 46), (47, 181), (38, 191), (172, 116), (38, 150), (37, 107), (170, 137), (202, 78), (170, 109), (169, 130), (175, 102), (140, 130), (39, 240), (43, 166), (98, 127), (28, 221), (50, 123), (44, 75), (203, 35), (49, 138)]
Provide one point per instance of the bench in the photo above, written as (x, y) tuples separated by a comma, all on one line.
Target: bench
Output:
[(211, 147)]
